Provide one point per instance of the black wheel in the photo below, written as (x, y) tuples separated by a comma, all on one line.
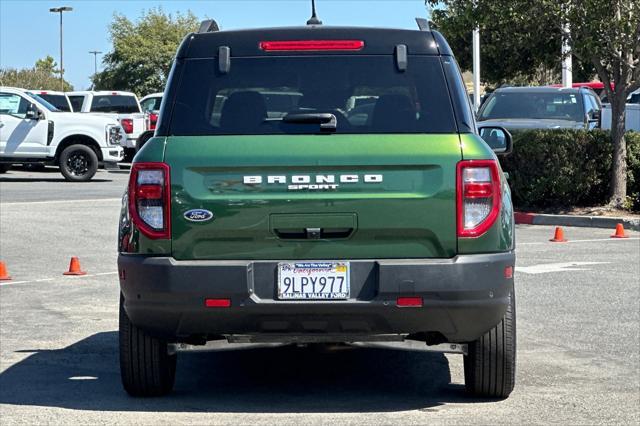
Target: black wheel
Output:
[(4, 168), (146, 368), (78, 163), (490, 366), (143, 140), (129, 153)]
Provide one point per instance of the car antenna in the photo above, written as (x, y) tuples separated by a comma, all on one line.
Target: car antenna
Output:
[(314, 19)]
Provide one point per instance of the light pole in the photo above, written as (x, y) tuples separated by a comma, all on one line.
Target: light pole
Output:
[(95, 54), (476, 68), (60, 10)]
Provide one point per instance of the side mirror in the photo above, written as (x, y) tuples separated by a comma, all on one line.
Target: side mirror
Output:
[(594, 116), (498, 139), (33, 113)]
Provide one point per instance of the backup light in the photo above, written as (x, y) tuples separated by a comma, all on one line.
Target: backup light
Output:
[(478, 193), (149, 199), (311, 45)]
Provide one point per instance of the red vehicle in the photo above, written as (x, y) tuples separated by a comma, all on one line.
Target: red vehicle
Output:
[(596, 86)]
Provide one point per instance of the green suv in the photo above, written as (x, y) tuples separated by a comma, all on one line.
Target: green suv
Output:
[(317, 184)]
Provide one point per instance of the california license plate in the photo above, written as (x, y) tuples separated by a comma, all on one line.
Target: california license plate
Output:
[(313, 280)]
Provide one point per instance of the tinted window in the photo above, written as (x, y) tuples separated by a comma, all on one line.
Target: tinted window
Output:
[(367, 94), (460, 98), (589, 104), (114, 103), (43, 101), (76, 102), (533, 105), (58, 101)]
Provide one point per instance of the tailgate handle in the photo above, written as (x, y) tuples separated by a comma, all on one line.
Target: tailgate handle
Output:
[(313, 233)]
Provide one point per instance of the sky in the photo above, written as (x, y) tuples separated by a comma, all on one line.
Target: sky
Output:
[(28, 31)]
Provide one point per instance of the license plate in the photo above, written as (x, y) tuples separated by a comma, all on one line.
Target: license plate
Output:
[(313, 280)]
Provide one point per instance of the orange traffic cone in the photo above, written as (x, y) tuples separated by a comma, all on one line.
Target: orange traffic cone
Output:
[(4, 275), (558, 237), (74, 267), (619, 232)]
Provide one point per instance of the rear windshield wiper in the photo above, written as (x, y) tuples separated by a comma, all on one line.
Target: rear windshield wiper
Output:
[(327, 121)]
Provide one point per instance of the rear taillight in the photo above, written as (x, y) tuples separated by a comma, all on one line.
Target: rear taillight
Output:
[(150, 200), (478, 188), (153, 120), (127, 125)]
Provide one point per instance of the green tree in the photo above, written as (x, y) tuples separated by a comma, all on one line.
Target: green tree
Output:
[(604, 37), (514, 49), (143, 51), (42, 76), (47, 65)]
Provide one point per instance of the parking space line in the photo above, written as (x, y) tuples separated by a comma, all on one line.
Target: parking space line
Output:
[(99, 274), (19, 203)]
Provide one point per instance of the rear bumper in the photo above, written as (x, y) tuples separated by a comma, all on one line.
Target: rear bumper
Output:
[(130, 142), (463, 297), (112, 154)]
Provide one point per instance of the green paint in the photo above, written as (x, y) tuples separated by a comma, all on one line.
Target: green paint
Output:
[(411, 214), (408, 215)]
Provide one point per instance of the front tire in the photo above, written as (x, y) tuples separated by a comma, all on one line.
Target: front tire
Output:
[(146, 368), (490, 366), (78, 163)]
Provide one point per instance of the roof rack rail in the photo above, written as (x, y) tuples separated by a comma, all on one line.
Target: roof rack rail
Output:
[(423, 24), (208, 26)]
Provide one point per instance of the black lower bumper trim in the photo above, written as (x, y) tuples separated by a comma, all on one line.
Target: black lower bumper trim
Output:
[(463, 297)]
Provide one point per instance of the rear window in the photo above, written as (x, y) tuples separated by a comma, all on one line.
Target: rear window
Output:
[(76, 102), (151, 104), (114, 103), (367, 94), (58, 101), (533, 105)]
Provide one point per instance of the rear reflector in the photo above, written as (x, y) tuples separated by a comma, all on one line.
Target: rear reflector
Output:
[(409, 301), (307, 45), (217, 303), (508, 272)]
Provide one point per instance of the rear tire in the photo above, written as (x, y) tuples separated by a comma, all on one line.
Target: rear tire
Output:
[(78, 163), (143, 140), (146, 368), (490, 366), (129, 153), (4, 168)]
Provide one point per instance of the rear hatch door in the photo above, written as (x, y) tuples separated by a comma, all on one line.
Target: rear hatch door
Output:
[(341, 197)]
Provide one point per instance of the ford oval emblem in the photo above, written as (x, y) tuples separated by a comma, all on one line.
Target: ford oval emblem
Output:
[(198, 215)]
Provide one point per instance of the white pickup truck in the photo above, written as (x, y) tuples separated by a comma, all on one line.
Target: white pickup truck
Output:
[(34, 131), (57, 99), (123, 106)]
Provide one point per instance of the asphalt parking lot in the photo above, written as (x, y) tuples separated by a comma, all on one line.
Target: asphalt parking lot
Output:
[(578, 319)]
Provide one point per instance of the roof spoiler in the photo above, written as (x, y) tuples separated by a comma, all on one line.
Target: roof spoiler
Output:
[(208, 26), (423, 24)]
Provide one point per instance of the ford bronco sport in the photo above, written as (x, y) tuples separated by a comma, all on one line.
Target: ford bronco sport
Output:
[(329, 220)]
